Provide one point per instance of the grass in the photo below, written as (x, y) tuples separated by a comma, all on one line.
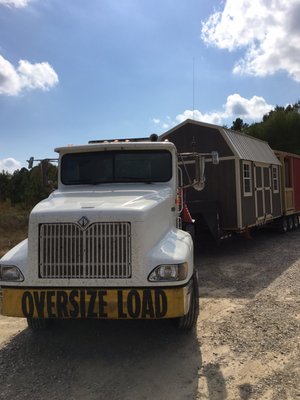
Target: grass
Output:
[(13, 226)]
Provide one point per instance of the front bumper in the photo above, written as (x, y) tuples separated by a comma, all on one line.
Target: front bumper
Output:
[(97, 303)]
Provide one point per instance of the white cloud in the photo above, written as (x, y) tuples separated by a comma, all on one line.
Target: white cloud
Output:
[(212, 118), (251, 109), (27, 76), (9, 164), (267, 29), (236, 106), (14, 3), (156, 120), (9, 79), (37, 76)]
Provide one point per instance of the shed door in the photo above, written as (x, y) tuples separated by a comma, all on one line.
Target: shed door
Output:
[(267, 191), (263, 193)]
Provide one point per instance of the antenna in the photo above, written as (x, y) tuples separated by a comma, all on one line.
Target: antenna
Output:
[(193, 87)]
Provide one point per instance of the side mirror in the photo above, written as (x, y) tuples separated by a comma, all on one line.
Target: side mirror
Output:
[(30, 162)]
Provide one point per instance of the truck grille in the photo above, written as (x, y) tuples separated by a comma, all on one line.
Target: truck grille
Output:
[(102, 250)]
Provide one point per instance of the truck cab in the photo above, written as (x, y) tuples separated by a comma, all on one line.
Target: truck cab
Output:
[(107, 243)]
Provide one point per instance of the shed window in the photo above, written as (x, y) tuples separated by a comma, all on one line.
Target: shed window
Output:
[(247, 178), (275, 179)]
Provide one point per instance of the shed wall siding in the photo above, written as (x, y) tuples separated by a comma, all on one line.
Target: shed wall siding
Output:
[(202, 139), (296, 170), (220, 187), (276, 205)]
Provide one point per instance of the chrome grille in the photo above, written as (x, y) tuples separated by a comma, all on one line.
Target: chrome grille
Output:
[(102, 250)]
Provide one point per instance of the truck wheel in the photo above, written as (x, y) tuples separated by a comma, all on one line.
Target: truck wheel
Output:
[(190, 228), (188, 321), (37, 324), (290, 223), (296, 221), (283, 225)]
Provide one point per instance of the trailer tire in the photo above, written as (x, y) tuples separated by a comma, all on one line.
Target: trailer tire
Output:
[(290, 222), (283, 228), (37, 324), (188, 321), (296, 221)]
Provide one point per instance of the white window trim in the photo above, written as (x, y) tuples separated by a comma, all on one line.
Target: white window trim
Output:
[(248, 194), (275, 168)]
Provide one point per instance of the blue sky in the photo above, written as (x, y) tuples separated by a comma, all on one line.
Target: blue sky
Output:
[(74, 70)]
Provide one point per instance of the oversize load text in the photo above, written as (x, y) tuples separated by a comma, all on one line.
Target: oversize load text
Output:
[(94, 303)]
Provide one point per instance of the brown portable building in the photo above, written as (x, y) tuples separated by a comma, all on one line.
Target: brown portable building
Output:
[(243, 190), (290, 182)]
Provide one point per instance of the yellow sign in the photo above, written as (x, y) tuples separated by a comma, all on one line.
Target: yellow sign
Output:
[(98, 303)]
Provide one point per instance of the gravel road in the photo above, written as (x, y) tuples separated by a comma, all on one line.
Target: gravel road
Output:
[(246, 345)]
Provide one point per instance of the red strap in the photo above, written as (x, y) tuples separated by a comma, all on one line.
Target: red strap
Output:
[(186, 216)]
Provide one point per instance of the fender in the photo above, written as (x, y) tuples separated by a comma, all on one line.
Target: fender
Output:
[(17, 256)]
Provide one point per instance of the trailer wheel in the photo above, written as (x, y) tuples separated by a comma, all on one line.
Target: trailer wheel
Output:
[(283, 227), (290, 222), (188, 321), (37, 324), (296, 221)]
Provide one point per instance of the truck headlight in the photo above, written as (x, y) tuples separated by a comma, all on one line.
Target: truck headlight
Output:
[(10, 273), (169, 272)]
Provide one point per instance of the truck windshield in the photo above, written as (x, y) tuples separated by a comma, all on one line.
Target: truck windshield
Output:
[(116, 166)]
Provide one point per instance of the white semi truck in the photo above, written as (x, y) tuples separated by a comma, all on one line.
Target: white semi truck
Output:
[(108, 243)]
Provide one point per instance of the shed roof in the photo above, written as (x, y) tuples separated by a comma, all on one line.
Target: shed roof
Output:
[(243, 146), (249, 148)]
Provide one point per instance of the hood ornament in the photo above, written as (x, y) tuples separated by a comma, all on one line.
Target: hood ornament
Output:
[(83, 222)]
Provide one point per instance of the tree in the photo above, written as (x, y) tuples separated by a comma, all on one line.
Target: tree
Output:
[(239, 125), (17, 186), (280, 128), (25, 187), (4, 185)]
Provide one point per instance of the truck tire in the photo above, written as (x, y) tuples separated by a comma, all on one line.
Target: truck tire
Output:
[(37, 324), (188, 321), (296, 221), (283, 227), (190, 228), (290, 222)]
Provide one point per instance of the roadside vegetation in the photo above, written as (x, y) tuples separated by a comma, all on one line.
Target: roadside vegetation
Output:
[(19, 192), (13, 226), (280, 128)]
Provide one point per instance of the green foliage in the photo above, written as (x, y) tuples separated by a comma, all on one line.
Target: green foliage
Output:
[(239, 125), (4, 185), (280, 128), (13, 226), (26, 188)]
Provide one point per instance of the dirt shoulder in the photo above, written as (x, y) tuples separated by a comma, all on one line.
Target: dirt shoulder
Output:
[(249, 329), (246, 346)]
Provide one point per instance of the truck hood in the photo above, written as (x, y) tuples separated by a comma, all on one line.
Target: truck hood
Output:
[(137, 202)]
